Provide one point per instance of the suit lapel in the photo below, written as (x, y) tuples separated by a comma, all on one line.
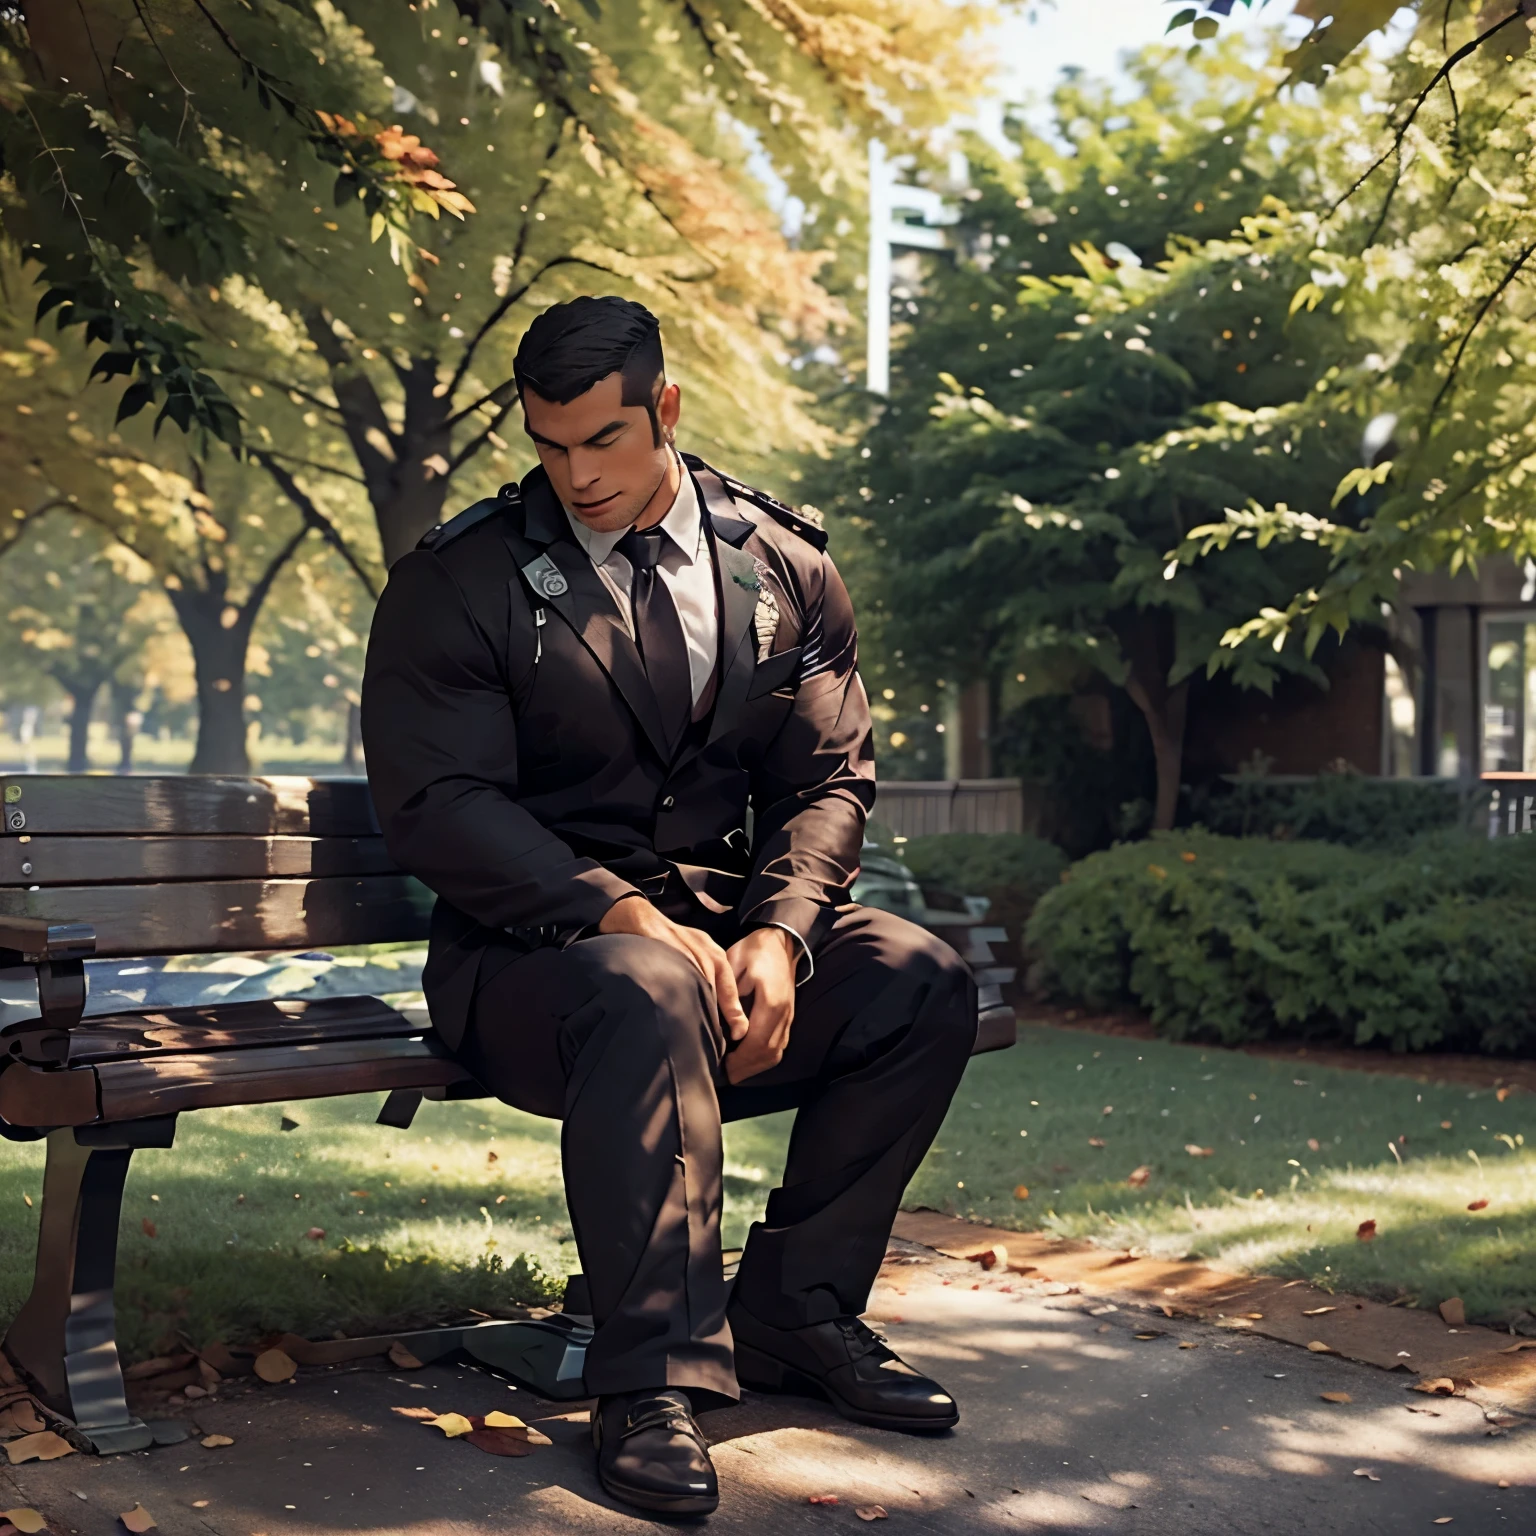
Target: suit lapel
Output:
[(564, 577), (738, 584)]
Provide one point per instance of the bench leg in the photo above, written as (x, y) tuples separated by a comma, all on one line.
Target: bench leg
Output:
[(65, 1336)]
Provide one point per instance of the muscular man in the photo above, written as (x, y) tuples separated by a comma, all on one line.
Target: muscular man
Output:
[(613, 719)]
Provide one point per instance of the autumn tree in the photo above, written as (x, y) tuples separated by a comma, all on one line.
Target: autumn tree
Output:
[(556, 153)]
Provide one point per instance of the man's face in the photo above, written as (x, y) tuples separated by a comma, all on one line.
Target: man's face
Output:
[(601, 455)]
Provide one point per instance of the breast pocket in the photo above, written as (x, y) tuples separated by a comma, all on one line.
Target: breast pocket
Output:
[(776, 673)]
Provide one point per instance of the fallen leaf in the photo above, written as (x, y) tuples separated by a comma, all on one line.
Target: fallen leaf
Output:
[(1453, 1312), (870, 1512), (200, 1503), (1257, 1317), (451, 1424), (1445, 1125), (1478, 1205), (359, 1194), (1313, 1144), (399, 1355), (1109, 1109), (1434, 1413), (822, 1498), (1336, 1397), (496, 1419), (994, 1258), (287, 1123), (1188, 858), (149, 1228), (1500, 1094), (1366, 1472), (1147, 1335), (498, 1442), (1318, 1311), (1317, 1347), (1446, 1519), (273, 1365), (138, 1519), (1515, 1348), (1021, 1192), (27, 1521), (213, 1442), (1366, 1231), (43, 1446), (19, 1419), (1436, 1386), (1196, 1150), (1187, 1344), (415, 1412), (1139, 1176), (315, 1234)]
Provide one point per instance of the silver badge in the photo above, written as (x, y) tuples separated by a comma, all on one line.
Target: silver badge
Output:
[(545, 576)]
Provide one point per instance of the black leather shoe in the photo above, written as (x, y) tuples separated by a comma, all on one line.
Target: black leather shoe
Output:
[(651, 1454), (846, 1362)]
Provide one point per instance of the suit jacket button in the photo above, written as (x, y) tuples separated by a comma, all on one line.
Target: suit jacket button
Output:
[(668, 803)]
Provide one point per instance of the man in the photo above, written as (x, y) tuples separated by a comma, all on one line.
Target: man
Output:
[(613, 719)]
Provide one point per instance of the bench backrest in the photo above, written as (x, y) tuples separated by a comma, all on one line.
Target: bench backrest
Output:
[(197, 864)]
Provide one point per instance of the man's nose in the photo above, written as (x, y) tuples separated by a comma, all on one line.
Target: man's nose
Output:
[(585, 468)]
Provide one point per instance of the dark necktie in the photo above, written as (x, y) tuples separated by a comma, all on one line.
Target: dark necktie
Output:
[(659, 631)]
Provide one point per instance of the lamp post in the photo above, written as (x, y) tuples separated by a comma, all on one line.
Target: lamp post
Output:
[(889, 200)]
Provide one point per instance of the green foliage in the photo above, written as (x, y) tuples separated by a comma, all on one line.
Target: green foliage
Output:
[(1007, 867), (1239, 939), (1343, 808), (1106, 366)]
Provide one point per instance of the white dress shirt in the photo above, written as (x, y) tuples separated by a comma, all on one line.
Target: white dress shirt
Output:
[(689, 573)]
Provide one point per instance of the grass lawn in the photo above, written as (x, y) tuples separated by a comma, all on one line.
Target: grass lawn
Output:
[(425, 1223), (1300, 1157)]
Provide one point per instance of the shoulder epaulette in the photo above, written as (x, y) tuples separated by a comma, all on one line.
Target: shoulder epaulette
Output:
[(471, 517), (806, 522)]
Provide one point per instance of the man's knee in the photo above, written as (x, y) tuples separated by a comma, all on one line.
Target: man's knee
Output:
[(940, 983), (655, 986)]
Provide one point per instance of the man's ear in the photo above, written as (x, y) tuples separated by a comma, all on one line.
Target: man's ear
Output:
[(669, 408)]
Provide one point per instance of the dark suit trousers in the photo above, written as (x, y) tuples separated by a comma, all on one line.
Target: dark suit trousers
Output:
[(617, 1036)]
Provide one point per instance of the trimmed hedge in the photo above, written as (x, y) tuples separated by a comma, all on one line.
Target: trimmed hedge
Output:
[(1346, 808), (1011, 868), (1241, 939)]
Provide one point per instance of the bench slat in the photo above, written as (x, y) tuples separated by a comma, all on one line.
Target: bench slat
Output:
[(128, 1037), (94, 860), (187, 805), (132, 1090), (208, 917)]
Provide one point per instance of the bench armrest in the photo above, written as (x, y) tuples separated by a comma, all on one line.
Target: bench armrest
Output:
[(36, 940)]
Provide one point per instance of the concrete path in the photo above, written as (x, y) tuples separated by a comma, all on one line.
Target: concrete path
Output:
[(1070, 1423)]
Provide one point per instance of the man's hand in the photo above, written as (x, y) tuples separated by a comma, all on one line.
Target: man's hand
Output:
[(764, 963), (634, 914)]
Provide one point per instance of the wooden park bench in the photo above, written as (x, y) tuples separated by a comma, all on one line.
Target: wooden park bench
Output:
[(95, 867)]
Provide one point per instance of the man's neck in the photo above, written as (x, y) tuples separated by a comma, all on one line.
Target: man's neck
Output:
[(663, 496)]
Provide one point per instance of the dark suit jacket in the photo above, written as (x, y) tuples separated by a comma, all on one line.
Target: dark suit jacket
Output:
[(515, 749)]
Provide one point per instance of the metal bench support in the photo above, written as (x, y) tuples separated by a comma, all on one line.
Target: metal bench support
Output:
[(65, 1335)]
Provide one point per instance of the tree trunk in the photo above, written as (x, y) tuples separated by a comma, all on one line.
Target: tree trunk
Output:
[(352, 753), (127, 719), (218, 660), (1148, 642), (83, 694)]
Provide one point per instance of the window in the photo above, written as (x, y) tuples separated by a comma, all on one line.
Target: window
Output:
[(1509, 694)]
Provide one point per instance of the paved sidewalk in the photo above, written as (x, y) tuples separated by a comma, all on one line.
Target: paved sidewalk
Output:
[(1070, 1423)]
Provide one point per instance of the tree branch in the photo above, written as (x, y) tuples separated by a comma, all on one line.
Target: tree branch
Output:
[(314, 517), (1510, 275), (258, 593)]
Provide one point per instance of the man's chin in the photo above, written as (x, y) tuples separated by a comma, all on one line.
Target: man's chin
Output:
[(610, 517)]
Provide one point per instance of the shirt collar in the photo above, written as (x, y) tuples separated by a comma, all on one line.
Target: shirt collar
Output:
[(682, 525)]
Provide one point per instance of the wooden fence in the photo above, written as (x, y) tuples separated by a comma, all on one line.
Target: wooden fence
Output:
[(915, 808)]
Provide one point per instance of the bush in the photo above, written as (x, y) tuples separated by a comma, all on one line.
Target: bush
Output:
[(1240, 939), (1010, 869), (1343, 808)]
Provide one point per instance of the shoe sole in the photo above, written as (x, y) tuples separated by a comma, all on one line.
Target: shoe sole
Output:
[(680, 1506), (762, 1373)]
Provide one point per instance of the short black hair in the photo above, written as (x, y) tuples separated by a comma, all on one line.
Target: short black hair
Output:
[(571, 346)]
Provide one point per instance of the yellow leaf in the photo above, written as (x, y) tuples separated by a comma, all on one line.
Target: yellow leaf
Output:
[(43, 1446), (1319, 1348), (138, 1520), (451, 1424), (27, 1521), (499, 1420), (1336, 1397), (213, 1442)]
